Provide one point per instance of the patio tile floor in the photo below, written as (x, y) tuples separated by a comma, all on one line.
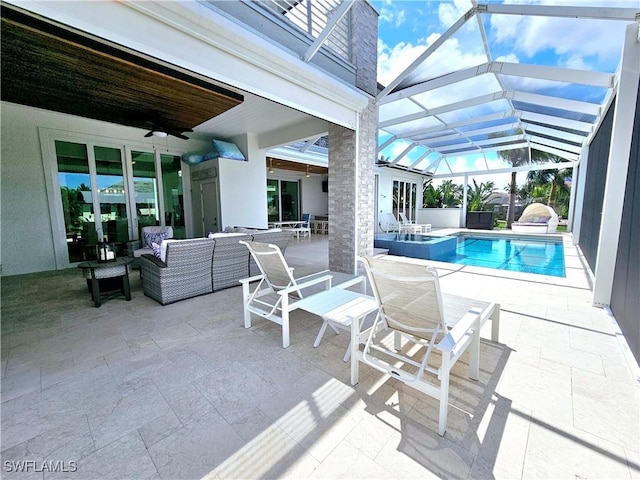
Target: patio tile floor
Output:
[(135, 390)]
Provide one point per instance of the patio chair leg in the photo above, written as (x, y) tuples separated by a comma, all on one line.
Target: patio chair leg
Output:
[(445, 370), (245, 302), (285, 321)]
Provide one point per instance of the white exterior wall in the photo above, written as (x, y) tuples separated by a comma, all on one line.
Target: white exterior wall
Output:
[(440, 217), (313, 200), (26, 229), (243, 187), (385, 187)]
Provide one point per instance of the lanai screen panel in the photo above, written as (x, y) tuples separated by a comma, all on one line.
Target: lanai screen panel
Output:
[(498, 78)]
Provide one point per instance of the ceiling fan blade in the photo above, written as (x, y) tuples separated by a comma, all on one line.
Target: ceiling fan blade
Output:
[(179, 135), (149, 134)]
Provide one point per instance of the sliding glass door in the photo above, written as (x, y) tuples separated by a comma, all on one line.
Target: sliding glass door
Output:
[(283, 200), (111, 192), (74, 179)]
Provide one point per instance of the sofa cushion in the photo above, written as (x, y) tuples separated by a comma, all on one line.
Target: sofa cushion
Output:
[(225, 234)]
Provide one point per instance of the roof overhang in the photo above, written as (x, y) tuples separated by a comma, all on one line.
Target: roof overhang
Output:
[(51, 66), (197, 37)]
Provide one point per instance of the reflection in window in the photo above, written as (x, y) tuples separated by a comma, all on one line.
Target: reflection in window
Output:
[(75, 190), (173, 194), (145, 187)]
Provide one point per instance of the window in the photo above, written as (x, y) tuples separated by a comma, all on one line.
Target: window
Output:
[(404, 199)]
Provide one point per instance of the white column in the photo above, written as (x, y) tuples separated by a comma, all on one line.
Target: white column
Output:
[(619, 153), (465, 205)]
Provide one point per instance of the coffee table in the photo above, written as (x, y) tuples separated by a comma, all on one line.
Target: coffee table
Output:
[(107, 277)]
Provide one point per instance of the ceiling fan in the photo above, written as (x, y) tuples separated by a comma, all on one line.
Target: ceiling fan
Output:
[(161, 132)]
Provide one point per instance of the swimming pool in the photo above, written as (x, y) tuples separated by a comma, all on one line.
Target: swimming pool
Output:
[(501, 252)]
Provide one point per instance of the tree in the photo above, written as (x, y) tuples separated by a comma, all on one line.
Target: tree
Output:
[(478, 194), (517, 157), (451, 193), (431, 198), (550, 187)]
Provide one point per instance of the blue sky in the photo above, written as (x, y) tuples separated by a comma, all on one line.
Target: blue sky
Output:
[(408, 27)]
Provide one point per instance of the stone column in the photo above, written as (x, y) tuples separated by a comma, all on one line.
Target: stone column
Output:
[(352, 155)]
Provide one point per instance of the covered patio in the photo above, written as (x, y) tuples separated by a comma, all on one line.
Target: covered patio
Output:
[(137, 390)]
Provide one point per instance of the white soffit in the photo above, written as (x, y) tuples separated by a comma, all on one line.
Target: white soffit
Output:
[(195, 37), (440, 121)]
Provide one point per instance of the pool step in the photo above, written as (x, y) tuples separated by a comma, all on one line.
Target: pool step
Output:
[(380, 251)]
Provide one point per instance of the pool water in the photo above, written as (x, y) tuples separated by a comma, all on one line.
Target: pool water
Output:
[(517, 254)]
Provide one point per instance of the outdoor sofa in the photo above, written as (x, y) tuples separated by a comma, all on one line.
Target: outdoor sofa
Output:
[(188, 268)]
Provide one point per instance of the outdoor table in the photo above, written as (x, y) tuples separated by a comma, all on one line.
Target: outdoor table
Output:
[(287, 224), (344, 308), (101, 276)]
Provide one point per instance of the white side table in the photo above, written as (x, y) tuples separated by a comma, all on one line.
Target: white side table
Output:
[(340, 308)]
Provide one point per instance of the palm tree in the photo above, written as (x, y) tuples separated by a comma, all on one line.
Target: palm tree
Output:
[(478, 194), (553, 180), (517, 157), (451, 193), (431, 197)]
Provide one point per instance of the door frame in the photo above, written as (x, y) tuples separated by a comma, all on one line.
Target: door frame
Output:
[(48, 136)]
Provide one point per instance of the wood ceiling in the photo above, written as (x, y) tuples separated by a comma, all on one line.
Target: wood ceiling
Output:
[(49, 66), (279, 164)]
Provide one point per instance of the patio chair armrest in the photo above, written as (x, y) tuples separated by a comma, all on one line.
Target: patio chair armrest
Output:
[(300, 286), (255, 278), (311, 275), (452, 341), (153, 259)]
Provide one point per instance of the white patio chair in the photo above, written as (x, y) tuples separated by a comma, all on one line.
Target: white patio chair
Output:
[(413, 227), (411, 307), (275, 295), (304, 228), (389, 223)]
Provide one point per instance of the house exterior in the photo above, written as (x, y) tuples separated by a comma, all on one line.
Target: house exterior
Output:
[(243, 72), (248, 72)]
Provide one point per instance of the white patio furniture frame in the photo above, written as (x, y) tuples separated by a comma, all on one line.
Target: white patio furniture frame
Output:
[(412, 227), (340, 308), (277, 292), (411, 307)]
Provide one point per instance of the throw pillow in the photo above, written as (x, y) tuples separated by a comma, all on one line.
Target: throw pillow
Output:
[(150, 238), (228, 150), (157, 248)]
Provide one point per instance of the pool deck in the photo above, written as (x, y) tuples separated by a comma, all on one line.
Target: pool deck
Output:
[(135, 390)]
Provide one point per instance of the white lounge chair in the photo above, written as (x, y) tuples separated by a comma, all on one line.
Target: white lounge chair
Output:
[(389, 223), (412, 227), (304, 228), (536, 218), (411, 308)]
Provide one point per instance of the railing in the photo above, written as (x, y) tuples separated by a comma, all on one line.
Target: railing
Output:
[(312, 16)]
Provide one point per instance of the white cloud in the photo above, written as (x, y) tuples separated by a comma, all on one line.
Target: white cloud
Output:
[(584, 42), (394, 60), (451, 56), (392, 15), (449, 13)]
